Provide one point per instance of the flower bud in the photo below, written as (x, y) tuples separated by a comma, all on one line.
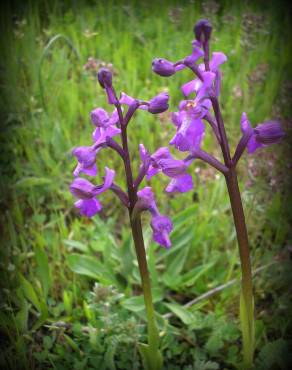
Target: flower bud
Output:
[(203, 30), (269, 132), (163, 67), (104, 76), (158, 104)]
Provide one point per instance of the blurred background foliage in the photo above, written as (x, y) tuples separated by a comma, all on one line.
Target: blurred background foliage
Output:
[(70, 287)]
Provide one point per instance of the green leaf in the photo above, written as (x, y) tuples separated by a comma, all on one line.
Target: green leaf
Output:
[(73, 244), (91, 267), (151, 358), (43, 269), (29, 292), (134, 304), (28, 182), (181, 312)]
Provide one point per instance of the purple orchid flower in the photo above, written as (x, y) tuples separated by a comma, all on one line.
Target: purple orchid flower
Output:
[(105, 125), (161, 225), (162, 161), (165, 68), (158, 104), (86, 193), (190, 130), (86, 156), (262, 135)]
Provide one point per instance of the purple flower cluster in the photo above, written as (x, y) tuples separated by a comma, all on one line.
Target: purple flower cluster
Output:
[(106, 128), (190, 117)]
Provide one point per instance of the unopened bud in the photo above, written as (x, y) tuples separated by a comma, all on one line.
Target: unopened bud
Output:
[(104, 76), (158, 104), (203, 30), (163, 67), (269, 132)]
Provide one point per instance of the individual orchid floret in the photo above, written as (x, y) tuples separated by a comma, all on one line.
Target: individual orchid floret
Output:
[(158, 104), (161, 225), (105, 125), (190, 131), (262, 135), (86, 193), (105, 79), (162, 161), (86, 156), (163, 67)]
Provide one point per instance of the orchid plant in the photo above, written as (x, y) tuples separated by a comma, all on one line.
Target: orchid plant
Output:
[(190, 130), (108, 127)]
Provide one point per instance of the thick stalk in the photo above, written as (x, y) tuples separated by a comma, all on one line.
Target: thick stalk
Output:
[(246, 304), (146, 284)]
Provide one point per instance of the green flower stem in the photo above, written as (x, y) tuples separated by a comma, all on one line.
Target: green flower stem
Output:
[(246, 298), (153, 338)]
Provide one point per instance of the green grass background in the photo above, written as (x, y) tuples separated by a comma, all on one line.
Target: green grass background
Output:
[(70, 287)]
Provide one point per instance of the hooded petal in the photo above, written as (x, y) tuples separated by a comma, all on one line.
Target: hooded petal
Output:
[(163, 67), (86, 156), (99, 117), (269, 132), (147, 199), (172, 167), (159, 103), (161, 226), (82, 188)]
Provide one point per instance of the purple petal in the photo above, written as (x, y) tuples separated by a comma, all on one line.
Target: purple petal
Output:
[(85, 154), (253, 145), (99, 117), (146, 196), (108, 180), (152, 171), (172, 167), (180, 184), (203, 92), (217, 59), (100, 134), (161, 226), (114, 118), (245, 124), (88, 207), (189, 87), (196, 54), (89, 171), (127, 99), (161, 153)]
